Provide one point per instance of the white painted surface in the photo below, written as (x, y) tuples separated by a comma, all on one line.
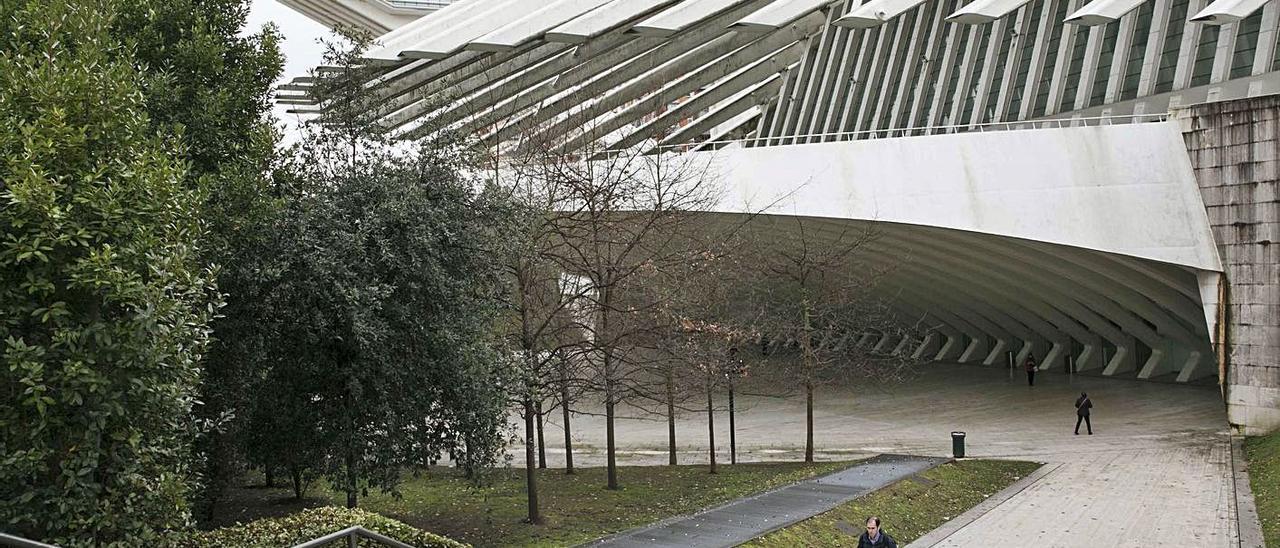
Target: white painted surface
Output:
[(777, 14), (681, 16), (602, 19), (533, 25), (984, 11), (1227, 11), (1125, 189)]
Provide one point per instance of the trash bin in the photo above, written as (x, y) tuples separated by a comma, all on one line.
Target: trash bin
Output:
[(957, 444)]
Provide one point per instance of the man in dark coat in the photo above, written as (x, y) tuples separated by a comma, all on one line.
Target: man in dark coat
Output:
[(874, 537), (1030, 366), (1083, 405)]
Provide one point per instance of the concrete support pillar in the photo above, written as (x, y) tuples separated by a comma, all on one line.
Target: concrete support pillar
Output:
[(950, 350), (925, 345), (883, 346), (1194, 366), (1089, 357), (1163, 360), (997, 352), (901, 348), (1056, 351), (864, 340), (1123, 360), (973, 352)]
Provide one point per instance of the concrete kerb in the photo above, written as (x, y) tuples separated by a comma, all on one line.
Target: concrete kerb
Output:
[(1248, 526), (990, 503), (668, 521)]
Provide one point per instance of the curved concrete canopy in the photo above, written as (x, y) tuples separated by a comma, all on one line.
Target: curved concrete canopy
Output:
[(1125, 189)]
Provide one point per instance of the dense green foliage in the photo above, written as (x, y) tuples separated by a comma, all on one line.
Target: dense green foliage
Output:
[(384, 288), (308, 525), (907, 509), (104, 307), (1264, 479), (210, 84)]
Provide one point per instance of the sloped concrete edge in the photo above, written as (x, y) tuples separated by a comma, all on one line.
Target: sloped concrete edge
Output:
[(1249, 527), (959, 522)]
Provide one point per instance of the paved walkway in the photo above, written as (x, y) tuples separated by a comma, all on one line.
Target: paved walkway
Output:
[(1157, 472), (748, 518)]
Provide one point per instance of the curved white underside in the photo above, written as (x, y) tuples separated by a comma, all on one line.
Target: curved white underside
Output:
[(1125, 189)]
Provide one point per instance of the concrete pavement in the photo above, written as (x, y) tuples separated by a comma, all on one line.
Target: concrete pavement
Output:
[(742, 520), (1157, 472)]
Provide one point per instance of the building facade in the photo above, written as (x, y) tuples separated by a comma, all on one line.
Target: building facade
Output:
[(1091, 182)]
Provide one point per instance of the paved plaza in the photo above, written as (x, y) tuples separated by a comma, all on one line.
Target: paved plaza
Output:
[(1156, 472)]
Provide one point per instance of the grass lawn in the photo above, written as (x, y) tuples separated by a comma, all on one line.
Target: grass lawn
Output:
[(576, 508), (1264, 480), (907, 509)]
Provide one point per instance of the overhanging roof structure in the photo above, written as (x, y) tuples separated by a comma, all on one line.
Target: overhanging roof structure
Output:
[(685, 73)]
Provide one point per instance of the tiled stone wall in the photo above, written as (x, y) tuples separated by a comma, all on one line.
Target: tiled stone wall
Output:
[(1235, 150)]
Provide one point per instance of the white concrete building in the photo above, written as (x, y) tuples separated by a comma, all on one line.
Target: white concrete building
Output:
[(1038, 158)]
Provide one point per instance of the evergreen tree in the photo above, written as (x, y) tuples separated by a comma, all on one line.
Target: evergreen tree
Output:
[(104, 307)]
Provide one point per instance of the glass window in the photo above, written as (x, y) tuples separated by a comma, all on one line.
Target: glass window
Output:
[(997, 80), (1172, 40), (1137, 51), (1024, 61), (1246, 45), (899, 64), (1072, 81), (979, 59), (1203, 67), (1106, 57), (957, 58), (1050, 58)]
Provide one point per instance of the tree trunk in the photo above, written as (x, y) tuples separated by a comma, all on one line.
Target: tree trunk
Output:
[(351, 478), (542, 447), (711, 427), (269, 472), (568, 439), (808, 421), (295, 472), (671, 418), (733, 437), (530, 472), (609, 445), (806, 347)]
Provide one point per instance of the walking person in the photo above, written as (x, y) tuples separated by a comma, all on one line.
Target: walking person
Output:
[(1030, 366), (874, 537), (1083, 405)]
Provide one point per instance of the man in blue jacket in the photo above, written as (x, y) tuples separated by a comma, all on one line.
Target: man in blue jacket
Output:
[(874, 537)]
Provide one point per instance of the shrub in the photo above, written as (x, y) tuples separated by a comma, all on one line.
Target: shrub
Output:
[(308, 525)]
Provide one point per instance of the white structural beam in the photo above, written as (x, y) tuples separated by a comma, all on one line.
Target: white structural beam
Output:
[(533, 25), (439, 43), (771, 65), (777, 14), (1100, 12), (725, 112), (459, 22), (876, 13), (1227, 11), (603, 19), (681, 16), (984, 11)]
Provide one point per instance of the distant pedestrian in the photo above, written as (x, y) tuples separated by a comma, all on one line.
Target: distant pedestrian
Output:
[(874, 537), (1083, 405), (1030, 366)]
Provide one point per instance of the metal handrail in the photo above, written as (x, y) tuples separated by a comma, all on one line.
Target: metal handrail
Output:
[(353, 534), (19, 542), (929, 130)]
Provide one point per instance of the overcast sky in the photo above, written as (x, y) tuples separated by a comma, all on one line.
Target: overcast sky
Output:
[(300, 34)]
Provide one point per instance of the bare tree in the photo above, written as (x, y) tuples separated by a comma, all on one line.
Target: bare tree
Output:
[(817, 291), (625, 214)]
